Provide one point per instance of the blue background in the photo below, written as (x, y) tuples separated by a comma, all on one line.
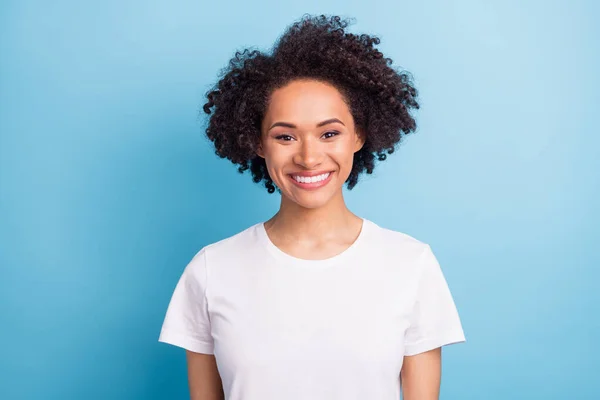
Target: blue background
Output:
[(108, 187)]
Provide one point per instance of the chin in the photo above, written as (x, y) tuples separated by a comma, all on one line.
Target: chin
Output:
[(310, 200), (311, 205)]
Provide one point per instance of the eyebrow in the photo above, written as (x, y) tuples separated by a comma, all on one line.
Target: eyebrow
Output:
[(322, 123)]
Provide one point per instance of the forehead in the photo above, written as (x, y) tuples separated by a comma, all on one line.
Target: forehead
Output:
[(307, 102)]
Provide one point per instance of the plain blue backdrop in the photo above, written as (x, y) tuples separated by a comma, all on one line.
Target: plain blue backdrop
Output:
[(108, 187)]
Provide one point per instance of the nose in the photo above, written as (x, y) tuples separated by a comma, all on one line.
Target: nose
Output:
[(309, 154)]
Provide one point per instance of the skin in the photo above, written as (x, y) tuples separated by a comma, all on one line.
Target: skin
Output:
[(421, 375), (309, 128), (203, 377), (310, 224)]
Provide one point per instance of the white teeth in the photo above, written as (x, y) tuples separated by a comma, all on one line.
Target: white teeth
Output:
[(311, 179)]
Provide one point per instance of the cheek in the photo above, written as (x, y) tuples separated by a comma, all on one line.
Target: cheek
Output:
[(343, 154), (276, 159)]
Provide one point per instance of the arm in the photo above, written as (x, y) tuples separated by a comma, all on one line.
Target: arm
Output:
[(203, 377), (421, 375)]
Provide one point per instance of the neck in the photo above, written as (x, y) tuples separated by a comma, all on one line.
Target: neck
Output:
[(295, 221)]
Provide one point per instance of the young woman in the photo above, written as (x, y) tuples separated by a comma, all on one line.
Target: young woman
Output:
[(316, 303)]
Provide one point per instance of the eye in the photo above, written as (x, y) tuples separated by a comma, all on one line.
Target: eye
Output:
[(285, 138), (330, 134)]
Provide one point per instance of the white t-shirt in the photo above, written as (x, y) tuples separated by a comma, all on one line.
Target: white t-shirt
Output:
[(281, 327)]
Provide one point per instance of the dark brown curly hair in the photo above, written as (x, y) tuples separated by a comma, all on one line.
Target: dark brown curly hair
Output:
[(379, 96)]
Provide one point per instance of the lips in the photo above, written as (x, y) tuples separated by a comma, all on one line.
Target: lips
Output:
[(311, 181), (311, 178)]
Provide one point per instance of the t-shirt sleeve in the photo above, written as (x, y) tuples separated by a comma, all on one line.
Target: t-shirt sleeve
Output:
[(434, 319), (187, 323)]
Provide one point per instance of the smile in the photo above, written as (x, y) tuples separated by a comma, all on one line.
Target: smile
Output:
[(311, 182)]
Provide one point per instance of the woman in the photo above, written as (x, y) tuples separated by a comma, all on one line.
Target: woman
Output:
[(316, 303)]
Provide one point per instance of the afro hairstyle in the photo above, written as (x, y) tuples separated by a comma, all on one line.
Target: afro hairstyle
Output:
[(379, 96)]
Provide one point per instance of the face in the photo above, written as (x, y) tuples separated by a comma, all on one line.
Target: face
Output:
[(308, 141)]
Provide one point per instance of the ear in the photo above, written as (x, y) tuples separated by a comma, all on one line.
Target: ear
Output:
[(360, 139), (259, 151)]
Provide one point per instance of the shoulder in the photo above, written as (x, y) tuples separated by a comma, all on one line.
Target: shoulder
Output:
[(234, 245), (388, 237), (232, 250), (395, 235), (395, 247)]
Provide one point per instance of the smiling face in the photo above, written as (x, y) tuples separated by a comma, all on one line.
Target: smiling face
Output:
[(308, 141)]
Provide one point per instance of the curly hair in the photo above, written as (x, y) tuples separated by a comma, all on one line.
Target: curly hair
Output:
[(379, 96)]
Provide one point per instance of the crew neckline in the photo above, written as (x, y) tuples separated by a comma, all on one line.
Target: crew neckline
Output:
[(284, 257)]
